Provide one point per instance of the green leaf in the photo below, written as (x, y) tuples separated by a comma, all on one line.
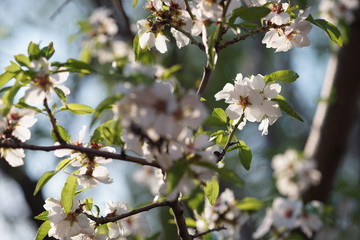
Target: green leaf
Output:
[(219, 114), (42, 216), (251, 13), (170, 71), (105, 104), (23, 60), (212, 190), (63, 133), (330, 29), (287, 108), (43, 180), (89, 202), (245, 154), (78, 108), (68, 193), (63, 164), (5, 78), (43, 230), (109, 131), (22, 104), (13, 67), (142, 55), (249, 204), (48, 51), (285, 76), (60, 94), (74, 65), (211, 52), (196, 200), (175, 174), (103, 229), (8, 97), (135, 2), (33, 51), (137, 48), (231, 176)]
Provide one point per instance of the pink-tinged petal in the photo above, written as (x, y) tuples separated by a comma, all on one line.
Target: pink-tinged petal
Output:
[(13, 156), (35, 95)]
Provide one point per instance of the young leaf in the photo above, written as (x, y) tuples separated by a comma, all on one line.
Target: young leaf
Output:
[(5, 78), (251, 13), (43, 180), (285, 76), (170, 71), (219, 114), (43, 230), (74, 65), (48, 51), (136, 46), (249, 204), (212, 190), (68, 193), (245, 154), (13, 67), (287, 108), (231, 176), (331, 30), (8, 97), (33, 51), (78, 108), (89, 202), (107, 103), (23, 60), (63, 164), (63, 134), (42, 216)]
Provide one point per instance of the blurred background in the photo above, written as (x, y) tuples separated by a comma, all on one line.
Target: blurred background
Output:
[(336, 149)]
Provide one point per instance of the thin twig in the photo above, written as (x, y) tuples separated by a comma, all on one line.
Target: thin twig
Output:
[(119, 6), (204, 80), (180, 220), (188, 9), (208, 231), (103, 220), (229, 143), (53, 123), (95, 152), (59, 9)]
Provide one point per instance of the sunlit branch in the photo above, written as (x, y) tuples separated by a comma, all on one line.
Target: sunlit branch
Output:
[(204, 80), (245, 36), (188, 9), (53, 123), (95, 152), (208, 231), (103, 220)]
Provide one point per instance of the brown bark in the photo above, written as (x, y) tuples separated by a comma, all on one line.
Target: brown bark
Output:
[(333, 121)]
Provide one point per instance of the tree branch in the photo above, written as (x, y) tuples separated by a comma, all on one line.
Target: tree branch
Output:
[(119, 6), (103, 220), (204, 81), (95, 152), (208, 231), (53, 123), (59, 9), (180, 220)]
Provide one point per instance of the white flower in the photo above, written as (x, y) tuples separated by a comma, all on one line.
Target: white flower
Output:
[(66, 225), (14, 156), (45, 82), (18, 121), (251, 98), (148, 38), (103, 26), (335, 10), (89, 176), (113, 209), (150, 177), (278, 14)]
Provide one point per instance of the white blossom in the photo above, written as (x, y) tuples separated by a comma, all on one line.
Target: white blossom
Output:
[(45, 82), (335, 10)]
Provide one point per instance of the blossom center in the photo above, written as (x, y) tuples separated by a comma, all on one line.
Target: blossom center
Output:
[(244, 101)]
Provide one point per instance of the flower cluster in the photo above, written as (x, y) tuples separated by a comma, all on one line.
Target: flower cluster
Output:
[(293, 174), (76, 225), (249, 99), (335, 10), (287, 214), (14, 127), (158, 126), (90, 171), (286, 32), (223, 213)]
